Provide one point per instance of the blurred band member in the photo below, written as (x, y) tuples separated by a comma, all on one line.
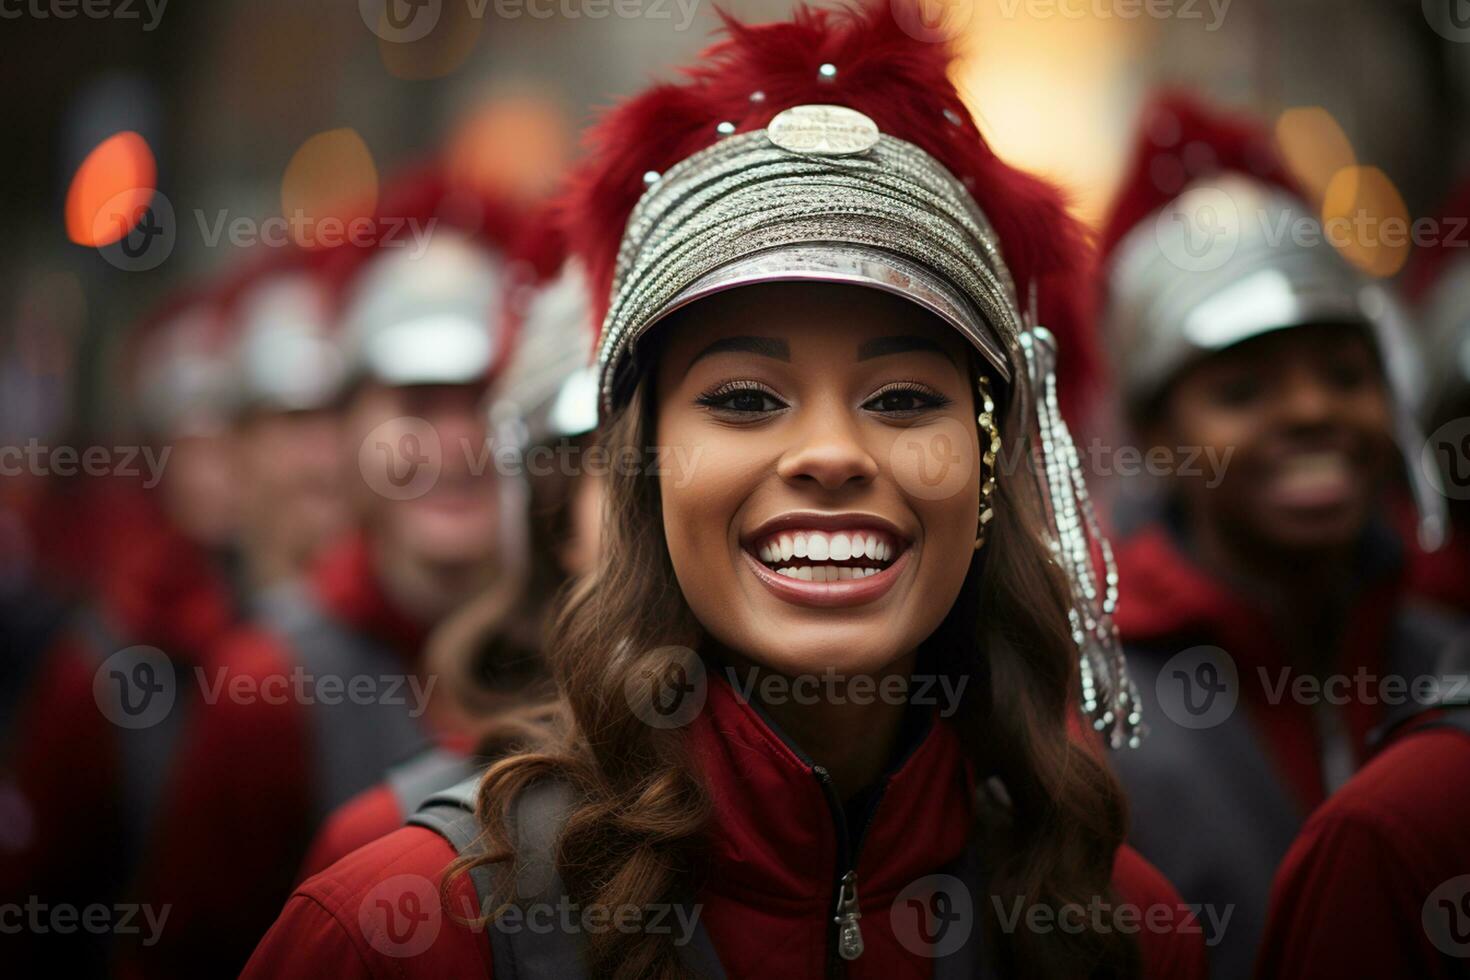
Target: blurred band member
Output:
[(327, 688), (1378, 882), (289, 472), (1265, 375), (486, 655), (111, 705)]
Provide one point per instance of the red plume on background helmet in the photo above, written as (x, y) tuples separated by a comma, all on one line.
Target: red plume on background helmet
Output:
[(1431, 260), (900, 81), (422, 200), (1180, 141)]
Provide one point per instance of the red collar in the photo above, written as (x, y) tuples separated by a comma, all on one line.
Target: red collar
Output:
[(167, 591), (346, 583), (776, 834), (1163, 594), (1168, 602)]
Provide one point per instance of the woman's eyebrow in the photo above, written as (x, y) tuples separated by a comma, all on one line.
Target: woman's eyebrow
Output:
[(765, 346), (900, 344)]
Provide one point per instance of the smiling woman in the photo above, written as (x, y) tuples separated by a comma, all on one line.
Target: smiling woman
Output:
[(804, 295)]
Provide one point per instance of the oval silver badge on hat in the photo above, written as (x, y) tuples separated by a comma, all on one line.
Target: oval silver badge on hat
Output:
[(823, 130)]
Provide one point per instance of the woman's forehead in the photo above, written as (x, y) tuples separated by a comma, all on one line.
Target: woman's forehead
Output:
[(797, 317)]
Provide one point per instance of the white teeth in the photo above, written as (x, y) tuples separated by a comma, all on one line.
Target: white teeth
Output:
[(817, 546), (825, 573)]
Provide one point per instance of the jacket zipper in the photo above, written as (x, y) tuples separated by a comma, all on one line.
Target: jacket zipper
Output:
[(844, 934)]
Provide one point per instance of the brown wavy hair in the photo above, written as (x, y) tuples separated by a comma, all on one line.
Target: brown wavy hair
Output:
[(634, 835)]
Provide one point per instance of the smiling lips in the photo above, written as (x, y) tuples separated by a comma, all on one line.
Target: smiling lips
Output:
[(820, 556)]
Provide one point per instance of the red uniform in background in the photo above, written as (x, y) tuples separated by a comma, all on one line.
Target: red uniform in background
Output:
[(258, 775), (1378, 883)]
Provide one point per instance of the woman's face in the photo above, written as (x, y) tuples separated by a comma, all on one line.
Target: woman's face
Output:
[(826, 518), (1304, 419)]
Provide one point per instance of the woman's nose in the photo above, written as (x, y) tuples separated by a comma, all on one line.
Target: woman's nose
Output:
[(829, 451)]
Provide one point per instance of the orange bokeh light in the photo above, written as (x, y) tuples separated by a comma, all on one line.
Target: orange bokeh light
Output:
[(1365, 218), (110, 193), (538, 130), (330, 183)]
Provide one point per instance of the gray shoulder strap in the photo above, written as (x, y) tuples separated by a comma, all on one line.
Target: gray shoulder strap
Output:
[(414, 780), (356, 734), (536, 939), (1434, 644)]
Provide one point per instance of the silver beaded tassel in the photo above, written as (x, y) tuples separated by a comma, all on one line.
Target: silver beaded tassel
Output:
[(1108, 695)]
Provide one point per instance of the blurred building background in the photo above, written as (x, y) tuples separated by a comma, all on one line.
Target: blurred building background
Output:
[(255, 108)]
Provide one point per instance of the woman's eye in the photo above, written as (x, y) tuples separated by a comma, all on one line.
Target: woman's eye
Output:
[(904, 400), (741, 400)]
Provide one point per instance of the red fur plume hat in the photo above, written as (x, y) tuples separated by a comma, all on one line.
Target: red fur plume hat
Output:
[(834, 148), (1212, 243), (1180, 141), (1201, 249), (862, 58)]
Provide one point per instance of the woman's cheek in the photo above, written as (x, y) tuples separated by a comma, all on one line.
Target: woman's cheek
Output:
[(937, 462)]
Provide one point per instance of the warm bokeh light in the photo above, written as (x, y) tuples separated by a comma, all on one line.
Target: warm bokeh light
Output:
[(442, 51), (1364, 217), (537, 128), (1050, 94), (110, 193), (1315, 147), (330, 181)]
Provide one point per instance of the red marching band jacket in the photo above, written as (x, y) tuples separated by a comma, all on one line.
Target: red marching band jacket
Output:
[(1235, 761), (101, 721), (265, 765), (769, 893)]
